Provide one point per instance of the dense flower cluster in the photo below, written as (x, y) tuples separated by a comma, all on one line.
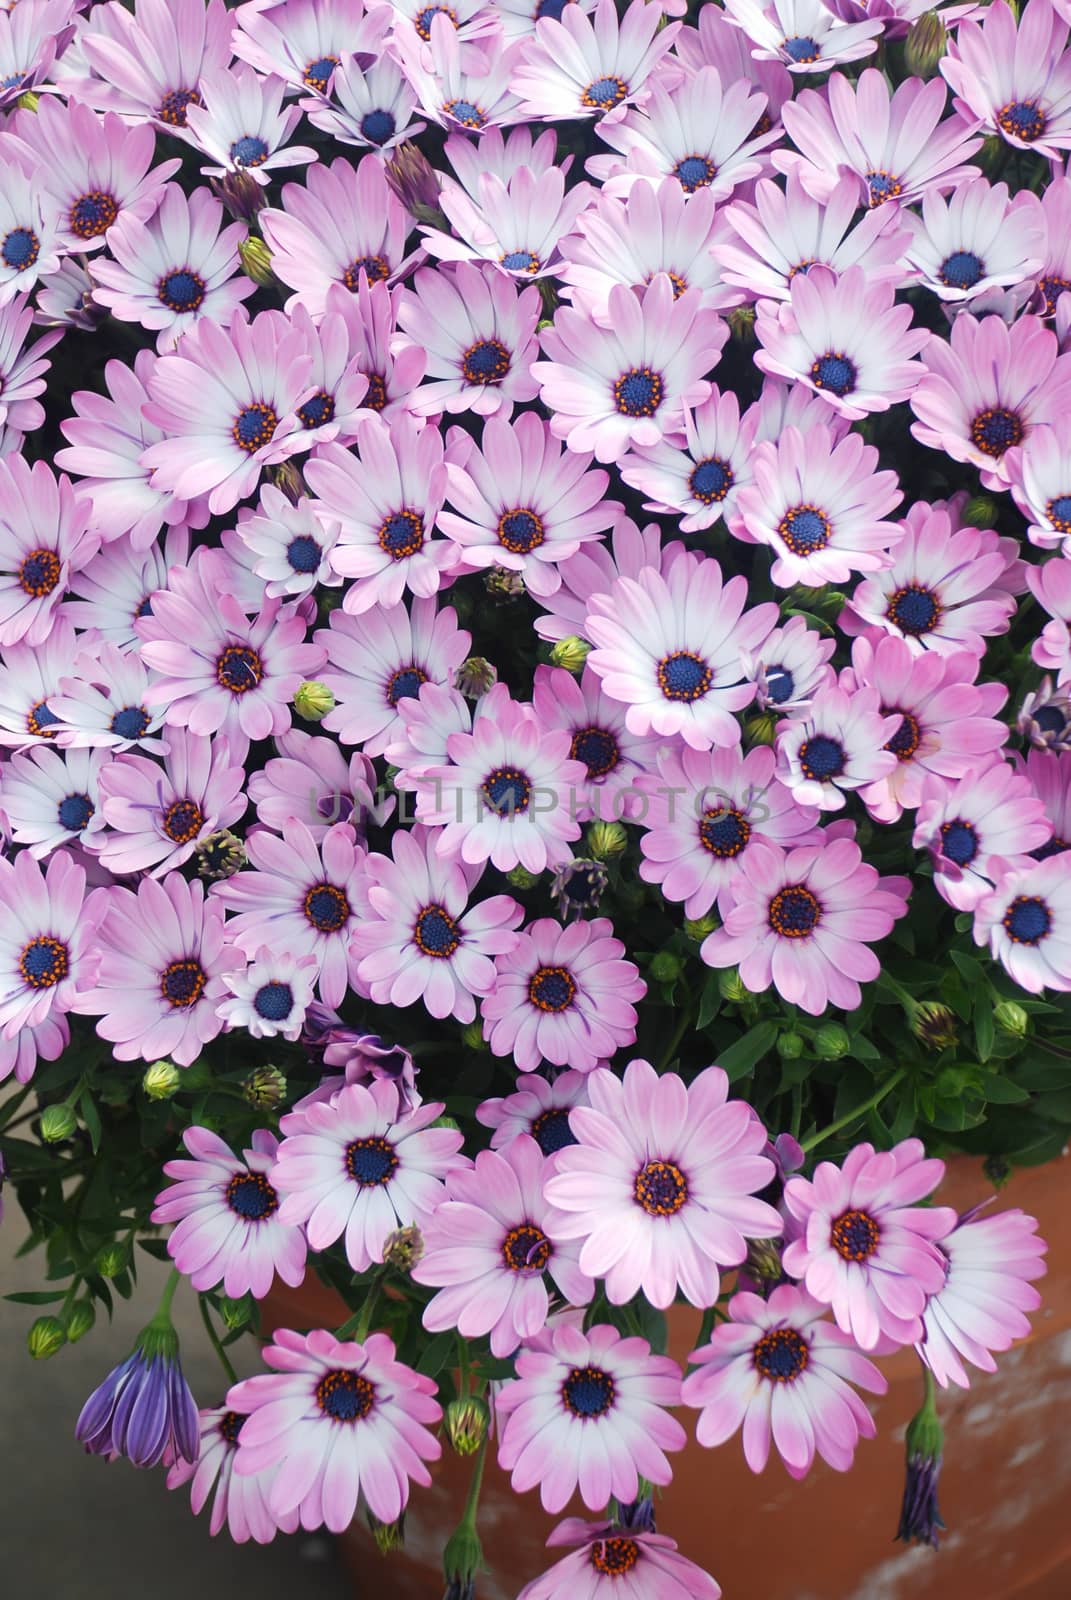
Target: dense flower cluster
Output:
[(632, 438)]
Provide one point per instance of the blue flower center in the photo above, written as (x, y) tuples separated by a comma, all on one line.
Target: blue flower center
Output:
[(239, 669), (506, 790), (371, 1162), (317, 412), (882, 186), (835, 373), (962, 270), (145, 608), (1050, 719), (794, 912), (805, 529), (914, 610), (251, 1196), (401, 535), (92, 214), (996, 429), (1060, 512), (130, 723), (520, 261), (684, 676), (551, 1131), (908, 736), (588, 1392), (822, 758), (345, 1396), (465, 112), (303, 553), (175, 104), (181, 291), (20, 249), (520, 532), (75, 812), (40, 573), (695, 172), (781, 1355), (1023, 119), (405, 684), (183, 983), (855, 1236), (724, 833), (327, 908), (550, 8), (1027, 920), (274, 1001), (318, 73), (597, 749), (486, 362), (711, 480), (254, 427), (802, 49), (959, 842), (378, 126), (39, 718), (436, 933), (375, 269), (604, 93), (249, 151), (551, 989), (44, 962), (779, 685), (639, 392)]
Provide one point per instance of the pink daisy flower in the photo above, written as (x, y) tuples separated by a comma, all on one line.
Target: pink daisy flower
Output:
[(866, 1247), (780, 1369), (226, 1214), (354, 1166), (563, 995), (589, 1411), (487, 1252), (947, 721), (270, 998), (304, 44), (605, 1553), (419, 939), (458, 84), (668, 647), (581, 66), (1050, 779), (159, 814), (806, 35), (44, 536), (600, 738), (595, 569), (162, 970), (1014, 78), (629, 383), (537, 1107), (697, 477), (977, 240), (370, 316), (714, 41), (110, 595), (1039, 471), (1054, 278), (790, 668), (48, 799), (984, 391), (312, 781), (845, 338), (522, 502), (1050, 585), (29, 46), (300, 897), (49, 950), (337, 1420), (703, 812), (290, 546), (28, 676), (479, 335), (372, 107), (1026, 921), (515, 223), (381, 661), (240, 124), (982, 1305), (803, 922), (22, 374), (1044, 718), (239, 1503), (661, 1184), (819, 504), (29, 223), (148, 65)]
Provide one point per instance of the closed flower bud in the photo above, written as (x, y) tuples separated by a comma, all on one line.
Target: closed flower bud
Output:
[(28, 101), (313, 701), (761, 728), (741, 320), (46, 1336), (472, 1036), (256, 260), (1011, 1019), (980, 511), (57, 1123), (920, 1520), (389, 1536), (520, 878), (570, 653), (925, 45), (607, 840), (763, 1260), (996, 1170), (287, 478), (161, 1080), (466, 1423), (475, 676), (412, 178), (265, 1088), (243, 196), (699, 928), (790, 1046), (544, 322), (447, 1122), (78, 1321), (934, 1024), (235, 1314), (731, 986), (220, 856), (991, 156), (502, 584), (665, 966), (403, 1248), (832, 1042), (113, 1259)]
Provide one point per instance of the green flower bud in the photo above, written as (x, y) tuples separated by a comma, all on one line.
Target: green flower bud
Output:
[(466, 1423), (46, 1336), (265, 1088), (475, 676), (934, 1024), (520, 878), (699, 928), (256, 260), (832, 1041), (161, 1080), (235, 1314), (980, 511), (462, 1560), (28, 101), (790, 1046), (665, 966), (447, 1122), (113, 1259), (313, 701), (502, 584), (741, 320), (544, 322), (57, 1123), (389, 1536), (606, 840), (1011, 1019), (731, 986), (761, 728), (403, 1248), (287, 477), (570, 653), (925, 45), (996, 1170), (472, 1036), (763, 1260), (220, 855), (79, 1320)]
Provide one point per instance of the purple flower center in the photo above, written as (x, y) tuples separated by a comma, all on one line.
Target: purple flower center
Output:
[(401, 535), (239, 669), (318, 411), (465, 112), (551, 1131), (230, 1426), (40, 573), (550, 8), (822, 758), (1023, 119), (781, 1355), (1027, 920), (711, 480), (254, 427), (1052, 286), (794, 912), (614, 1557), (779, 685), (378, 126), (855, 1236), (684, 676), (520, 261), (914, 609), (1060, 512), (39, 719), (44, 962), (805, 529), (882, 186), (405, 684), (20, 249), (660, 1188), (376, 394), (526, 1249), (251, 1196), (92, 214), (604, 93), (436, 933), (802, 50), (327, 908), (345, 1396), (962, 270), (183, 821), (995, 430), (834, 372), (75, 812), (520, 532), (588, 1392), (959, 842), (423, 20), (371, 1163), (249, 151), (597, 749), (183, 983), (506, 790), (724, 832), (274, 1001), (1050, 719), (181, 291), (318, 73), (485, 362), (130, 723), (374, 268), (639, 392), (174, 105), (695, 172), (908, 736), (552, 989), (303, 553)]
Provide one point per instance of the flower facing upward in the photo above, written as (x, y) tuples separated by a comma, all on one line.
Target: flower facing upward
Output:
[(1026, 922), (271, 996), (1015, 80), (978, 828), (579, 66), (241, 126), (866, 1247), (159, 815), (697, 477), (44, 536), (605, 1553), (982, 1305), (479, 335), (661, 1185), (843, 743), (807, 35), (976, 240), (1040, 477), (49, 949)]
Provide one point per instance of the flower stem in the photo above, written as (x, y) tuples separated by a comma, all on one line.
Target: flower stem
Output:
[(472, 1499), (214, 1340), (675, 1038), (357, 1326), (857, 1111), (162, 1314)]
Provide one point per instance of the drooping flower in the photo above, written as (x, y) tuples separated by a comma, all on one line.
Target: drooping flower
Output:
[(581, 66), (606, 1552), (372, 107), (806, 35), (144, 1409), (44, 535), (1026, 922), (239, 1503), (479, 335), (271, 996), (593, 570), (364, 1057), (1014, 80), (159, 814), (29, 46), (311, 780), (304, 44), (661, 1185), (781, 1370), (977, 240), (1044, 718)]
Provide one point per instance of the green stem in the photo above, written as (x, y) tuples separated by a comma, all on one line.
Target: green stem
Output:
[(857, 1111), (214, 1340), (675, 1038), (472, 1500), (797, 1109), (357, 1326), (162, 1314)]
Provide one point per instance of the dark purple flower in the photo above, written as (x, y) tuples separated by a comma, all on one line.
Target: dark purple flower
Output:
[(920, 1520), (142, 1408)]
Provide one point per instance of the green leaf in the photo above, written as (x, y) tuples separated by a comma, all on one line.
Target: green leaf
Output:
[(740, 1057), (91, 1117), (984, 1028), (435, 1354), (709, 1002), (157, 1248), (863, 1050), (971, 969), (36, 1297), (1000, 1091)]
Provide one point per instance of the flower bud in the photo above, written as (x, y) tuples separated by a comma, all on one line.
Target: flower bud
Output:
[(832, 1041), (761, 728), (235, 1314), (699, 928), (731, 986), (475, 676), (472, 1036), (287, 478), (570, 653), (28, 101), (46, 1336), (548, 294), (934, 1024), (502, 584), (243, 196), (1011, 1019), (313, 701), (607, 840), (466, 1423), (980, 511), (264, 1088), (389, 1536), (920, 1520), (790, 1046), (403, 1248), (57, 1123), (665, 966), (996, 1171), (520, 878), (113, 1259), (925, 45), (763, 1260), (741, 320), (220, 855), (412, 178), (161, 1080), (256, 260), (79, 1320)]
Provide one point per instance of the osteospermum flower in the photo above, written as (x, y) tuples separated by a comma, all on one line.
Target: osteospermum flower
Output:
[(270, 998), (866, 1247), (418, 938), (22, 374), (149, 64), (606, 1552), (225, 1212), (806, 35), (600, 738), (844, 742), (588, 1411), (458, 84), (563, 995), (487, 1252), (843, 337), (44, 536), (819, 504), (354, 1166), (49, 799), (1039, 471), (1050, 585), (109, 596), (372, 107), (580, 66), (144, 1409), (1015, 80), (1026, 922), (300, 897), (537, 1107), (310, 779), (668, 647), (289, 544), (803, 921), (304, 44), (982, 1305), (790, 668), (1049, 778), (240, 1503), (696, 478), (336, 1420), (159, 814), (1044, 718), (517, 223), (178, 266), (163, 960), (978, 828), (703, 811), (29, 45), (781, 1370), (595, 569), (48, 953), (977, 240), (29, 222), (479, 335), (28, 676), (661, 1184), (242, 127)]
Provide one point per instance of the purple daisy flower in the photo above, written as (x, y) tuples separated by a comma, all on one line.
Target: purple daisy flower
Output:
[(419, 939), (301, 897), (661, 1184), (465, 85), (791, 667), (597, 726), (111, 594), (227, 1229), (780, 1369), (982, 1305), (516, 224), (49, 948), (866, 1247), (629, 383), (538, 1107), (365, 1059), (1050, 585), (370, 316), (1050, 779), (696, 478), (522, 502), (845, 338), (581, 66), (22, 374), (803, 922), (44, 536), (372, 107), (289, 545), (270, 998), (48, 799), (312, 781), (305, 43), (1026, 922), (1014, 78), (976, 829), (1044, 718), (337, 1420), (479, 335), (469, 19), (355, 1166), (668, 647), (29, 222), (589, 1411), (976, 240), (28, 676), (340, 386), (381, 661), (149, 64), (1054, 278), (240, 1504), (844, 742), (805, 35), (605, 1553), (1039, 471), (144, 1409), (563, 995), (596, 568), (488, 1254), (227, 402), (29, 46), (158, 815), (163, 961), (240, 124), (703, 812)]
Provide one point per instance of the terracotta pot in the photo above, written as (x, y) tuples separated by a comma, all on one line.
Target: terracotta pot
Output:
[(1004, 1490)]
